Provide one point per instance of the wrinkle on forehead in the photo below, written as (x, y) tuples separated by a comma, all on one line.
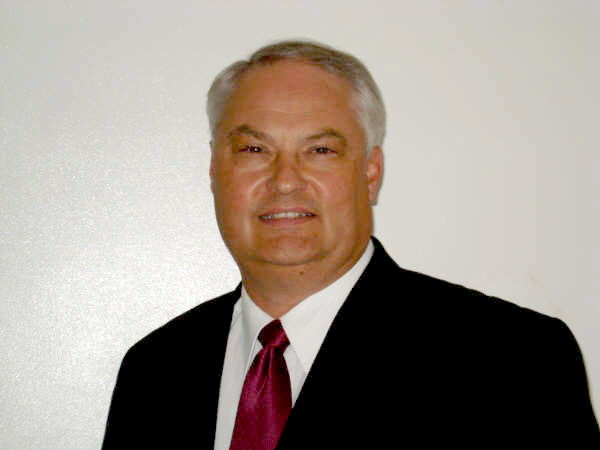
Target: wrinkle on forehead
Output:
[(288, 84), (293, 95)]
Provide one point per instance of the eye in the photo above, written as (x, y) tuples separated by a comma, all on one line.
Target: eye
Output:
[(251, 149), (322, 150)]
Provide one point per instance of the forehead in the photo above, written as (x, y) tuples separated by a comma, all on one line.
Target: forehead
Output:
[(293, 89), (293, 75)]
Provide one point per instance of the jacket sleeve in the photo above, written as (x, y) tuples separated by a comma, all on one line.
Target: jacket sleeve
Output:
[(124, 427), (568, 408)]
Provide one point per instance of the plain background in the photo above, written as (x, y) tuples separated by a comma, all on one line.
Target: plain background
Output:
[(107, 224)]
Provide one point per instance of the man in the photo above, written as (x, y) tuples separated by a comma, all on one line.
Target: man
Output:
[(368, 355)]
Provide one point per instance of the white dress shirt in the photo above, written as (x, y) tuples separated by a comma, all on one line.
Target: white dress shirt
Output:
[(305, 325)]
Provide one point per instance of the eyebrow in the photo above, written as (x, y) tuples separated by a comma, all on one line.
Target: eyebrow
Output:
[(329, 132), (246, 129)]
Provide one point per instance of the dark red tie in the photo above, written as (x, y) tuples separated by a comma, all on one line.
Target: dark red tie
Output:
[(266, 399)]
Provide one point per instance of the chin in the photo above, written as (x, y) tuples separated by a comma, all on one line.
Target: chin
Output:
[(290, 251)]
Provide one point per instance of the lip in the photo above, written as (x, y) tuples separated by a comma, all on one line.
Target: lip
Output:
[(286, 216)]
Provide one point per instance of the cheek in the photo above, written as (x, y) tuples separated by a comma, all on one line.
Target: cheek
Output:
[(341, 194), (237, 192)]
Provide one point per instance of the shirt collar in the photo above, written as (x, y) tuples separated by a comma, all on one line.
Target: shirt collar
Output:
[(307, 323)]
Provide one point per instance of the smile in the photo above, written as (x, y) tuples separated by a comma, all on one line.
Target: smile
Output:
[(286, 215)]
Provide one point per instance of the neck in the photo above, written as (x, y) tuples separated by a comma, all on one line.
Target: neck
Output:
[(278, 294), (277, 289)]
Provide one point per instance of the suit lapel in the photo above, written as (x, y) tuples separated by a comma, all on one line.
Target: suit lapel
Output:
[(209, 369), (335, 386)]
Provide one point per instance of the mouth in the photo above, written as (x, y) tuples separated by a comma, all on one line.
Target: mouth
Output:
[(286, 215)]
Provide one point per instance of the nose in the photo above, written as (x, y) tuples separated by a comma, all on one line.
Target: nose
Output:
[(287, 176)]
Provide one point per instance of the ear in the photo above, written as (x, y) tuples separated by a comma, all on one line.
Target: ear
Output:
[(211, 171), (374, 173)]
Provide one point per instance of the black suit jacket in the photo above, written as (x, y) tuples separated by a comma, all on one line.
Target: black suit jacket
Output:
[(408, 360)]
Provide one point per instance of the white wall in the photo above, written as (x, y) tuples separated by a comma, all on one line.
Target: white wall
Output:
[(107, 225)]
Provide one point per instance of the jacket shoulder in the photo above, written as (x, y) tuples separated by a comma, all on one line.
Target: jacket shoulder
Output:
[(192, 326), (419, 293), (170, 372), (516, 366)]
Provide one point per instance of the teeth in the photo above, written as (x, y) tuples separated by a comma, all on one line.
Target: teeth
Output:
[(285, 215)]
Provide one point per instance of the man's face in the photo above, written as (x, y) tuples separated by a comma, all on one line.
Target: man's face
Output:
[(290, 177)]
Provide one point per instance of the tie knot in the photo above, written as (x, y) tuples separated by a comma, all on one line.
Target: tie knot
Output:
[(274, 336)]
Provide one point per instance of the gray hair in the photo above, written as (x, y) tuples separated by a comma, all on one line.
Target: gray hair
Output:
[(367, 102)]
